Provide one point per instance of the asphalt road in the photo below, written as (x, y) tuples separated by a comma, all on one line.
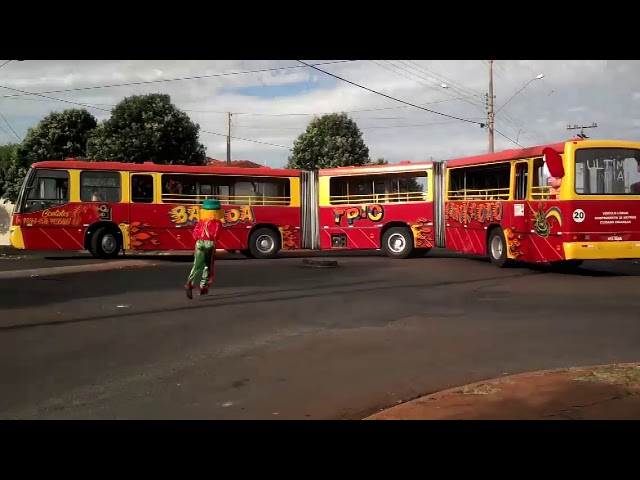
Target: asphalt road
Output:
[(274, 340)]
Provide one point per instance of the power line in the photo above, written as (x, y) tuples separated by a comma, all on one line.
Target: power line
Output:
[(9, 125), (198, 77), (53, 98), (390, 97), (511, 140), (4, 63), (245, 139)]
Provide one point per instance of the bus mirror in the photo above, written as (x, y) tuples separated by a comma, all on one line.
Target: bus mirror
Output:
[(554, 162)]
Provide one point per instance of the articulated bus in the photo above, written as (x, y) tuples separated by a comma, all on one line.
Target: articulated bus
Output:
[(381, 207), (108, 207), (561, 203)]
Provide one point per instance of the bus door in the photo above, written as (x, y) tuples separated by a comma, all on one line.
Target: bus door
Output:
[(520, 225), (143, 212)]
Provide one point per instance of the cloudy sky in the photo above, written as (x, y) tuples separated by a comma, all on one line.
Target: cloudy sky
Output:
[(274, 102)]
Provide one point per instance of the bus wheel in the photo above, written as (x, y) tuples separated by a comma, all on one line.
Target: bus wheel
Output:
[(497, 247), (264, 243), (105, 243), (397, 242)]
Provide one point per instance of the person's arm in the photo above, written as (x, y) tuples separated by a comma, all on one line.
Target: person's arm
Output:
[(197, 230)]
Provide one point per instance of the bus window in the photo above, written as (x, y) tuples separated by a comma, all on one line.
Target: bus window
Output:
[(142, 188), (261, 191), (522, 181), (540, 181), (48, 188), (100, 186), (382, 188), (484, 182), (607, 171)]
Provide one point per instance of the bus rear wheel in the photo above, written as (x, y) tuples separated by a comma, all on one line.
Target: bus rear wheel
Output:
[(397, 242), (105, 243), (497, 247), (264, 243)]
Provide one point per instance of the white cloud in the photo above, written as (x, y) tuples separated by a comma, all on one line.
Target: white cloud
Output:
[(571, 92)]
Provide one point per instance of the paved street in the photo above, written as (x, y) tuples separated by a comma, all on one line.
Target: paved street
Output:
[(275, 340)]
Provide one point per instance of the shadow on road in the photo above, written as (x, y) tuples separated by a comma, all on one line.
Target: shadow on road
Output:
[(331, 289)]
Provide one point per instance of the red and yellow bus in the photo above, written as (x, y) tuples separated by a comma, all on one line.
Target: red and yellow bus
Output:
[(562, 203), (381, 207), (108, 207)]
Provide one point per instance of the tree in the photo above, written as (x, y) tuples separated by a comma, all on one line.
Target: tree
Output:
[(147, 128), (332, 140), (11, 174), (59, 135)]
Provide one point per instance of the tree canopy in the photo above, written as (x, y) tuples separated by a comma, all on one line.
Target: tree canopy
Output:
[(147, 128), (332, 140)]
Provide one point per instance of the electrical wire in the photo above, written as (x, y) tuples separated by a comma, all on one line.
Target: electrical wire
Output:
[(53, 98), (246, 139), (393, 98), (198, 77), (9, 125)]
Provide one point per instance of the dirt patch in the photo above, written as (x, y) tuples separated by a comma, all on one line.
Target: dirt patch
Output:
[(606, 392)]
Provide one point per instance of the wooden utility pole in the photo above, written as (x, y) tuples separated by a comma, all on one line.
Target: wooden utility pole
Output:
[(229, 139), (581, 127), (490, 107)]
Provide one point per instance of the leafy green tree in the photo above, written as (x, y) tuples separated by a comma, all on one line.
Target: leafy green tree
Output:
[(329, 141), (59, 135), (147, 128)]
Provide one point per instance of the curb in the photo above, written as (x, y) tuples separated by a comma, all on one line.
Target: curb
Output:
[(92, 267), (421, 398)]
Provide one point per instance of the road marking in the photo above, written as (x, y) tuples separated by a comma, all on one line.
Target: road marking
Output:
[(92, 267)]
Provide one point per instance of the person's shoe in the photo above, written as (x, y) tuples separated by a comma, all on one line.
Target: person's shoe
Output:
[(188, 289), (204, 291)]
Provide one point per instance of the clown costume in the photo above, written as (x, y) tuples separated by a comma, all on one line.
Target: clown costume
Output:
[(206, 233)]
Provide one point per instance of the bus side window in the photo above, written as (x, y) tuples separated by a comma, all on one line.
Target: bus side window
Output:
[(522, 180), (142, 188)]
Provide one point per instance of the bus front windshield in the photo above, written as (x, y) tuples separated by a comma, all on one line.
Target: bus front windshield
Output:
[(607, 171)]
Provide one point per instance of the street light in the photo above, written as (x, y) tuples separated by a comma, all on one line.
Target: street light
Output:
[(515, 94)]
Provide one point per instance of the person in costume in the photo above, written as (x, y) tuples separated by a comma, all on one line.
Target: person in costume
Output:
[(206, 233)]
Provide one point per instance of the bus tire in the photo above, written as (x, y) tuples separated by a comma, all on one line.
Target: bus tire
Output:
[(397, 242), (264, 243), (105, 243), (497, 249)]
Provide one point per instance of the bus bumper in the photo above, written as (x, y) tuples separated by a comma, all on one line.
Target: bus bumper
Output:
[(15, 237), (601, 250)]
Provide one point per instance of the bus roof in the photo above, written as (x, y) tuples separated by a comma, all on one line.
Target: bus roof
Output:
[(153, 167), (507, 155), (364, 169)]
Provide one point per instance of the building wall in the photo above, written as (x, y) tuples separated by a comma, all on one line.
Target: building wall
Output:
[(5, 221)]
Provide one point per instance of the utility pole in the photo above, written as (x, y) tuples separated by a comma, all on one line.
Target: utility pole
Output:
[(490, 99), (229, 139), (581, 127)]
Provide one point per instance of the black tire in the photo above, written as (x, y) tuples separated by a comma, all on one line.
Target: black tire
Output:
[(247, 253), (105, 243), (497, 249), (397, 242), (264, 243)]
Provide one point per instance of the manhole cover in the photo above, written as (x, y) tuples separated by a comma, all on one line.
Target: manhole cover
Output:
[(315, 263)]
